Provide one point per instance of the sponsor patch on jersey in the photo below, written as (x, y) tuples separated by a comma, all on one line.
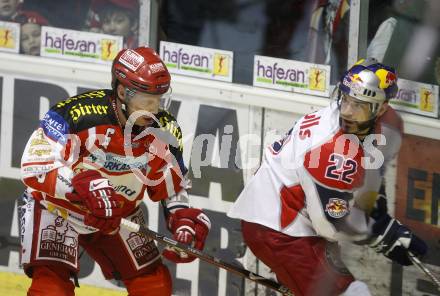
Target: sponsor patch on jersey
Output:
[(142, 249), (131, 59), (336, 208), (80, 110), (117, 163), (125, 190), (88, 95), (58, 240), (55, 126)]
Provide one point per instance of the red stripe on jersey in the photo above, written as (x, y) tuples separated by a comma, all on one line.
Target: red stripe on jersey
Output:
[(292, 201), (37, 195), (337, 163), (36, 163), (46, 183)]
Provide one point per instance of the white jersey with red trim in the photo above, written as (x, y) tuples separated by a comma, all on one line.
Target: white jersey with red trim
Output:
[(308, 181), (82, 133)]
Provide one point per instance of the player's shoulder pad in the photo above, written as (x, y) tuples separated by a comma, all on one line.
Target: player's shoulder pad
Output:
[(86, 110), (55, 126), (315, 128), (391, 119), (337, 163), (95, 95), (169, 123)]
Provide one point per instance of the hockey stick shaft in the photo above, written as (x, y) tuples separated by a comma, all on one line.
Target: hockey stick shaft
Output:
[(424, 269), (205, 257)]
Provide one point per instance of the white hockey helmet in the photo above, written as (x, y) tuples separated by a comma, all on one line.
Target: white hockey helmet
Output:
[(369, 81)]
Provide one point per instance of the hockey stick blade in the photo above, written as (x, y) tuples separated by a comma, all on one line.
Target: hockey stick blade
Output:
[(424, 269), (205, 257)]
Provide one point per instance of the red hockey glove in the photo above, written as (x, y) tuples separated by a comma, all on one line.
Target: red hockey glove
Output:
[(188, 226), (104, 205)]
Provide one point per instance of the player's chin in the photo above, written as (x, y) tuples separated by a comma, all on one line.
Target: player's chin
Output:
[(349, 127)]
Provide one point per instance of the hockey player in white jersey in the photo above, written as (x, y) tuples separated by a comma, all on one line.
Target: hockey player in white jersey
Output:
[(314, 189)]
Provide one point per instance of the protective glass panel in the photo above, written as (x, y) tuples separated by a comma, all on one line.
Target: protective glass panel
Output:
[(405, 34), (112, 17), (310, 31)]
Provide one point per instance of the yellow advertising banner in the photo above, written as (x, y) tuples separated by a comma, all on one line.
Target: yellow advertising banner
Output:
[(9, 37)]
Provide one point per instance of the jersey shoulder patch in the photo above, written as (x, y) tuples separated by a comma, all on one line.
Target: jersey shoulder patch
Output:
[(87, 110), (55, 126), (337, 163)]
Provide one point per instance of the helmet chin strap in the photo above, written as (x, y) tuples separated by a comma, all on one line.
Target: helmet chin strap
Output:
[(124, 109)]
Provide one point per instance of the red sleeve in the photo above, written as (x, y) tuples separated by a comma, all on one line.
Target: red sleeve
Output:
[(165, 178)]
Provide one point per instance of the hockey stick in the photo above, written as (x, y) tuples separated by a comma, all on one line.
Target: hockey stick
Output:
[(205, 257), (424, 269)]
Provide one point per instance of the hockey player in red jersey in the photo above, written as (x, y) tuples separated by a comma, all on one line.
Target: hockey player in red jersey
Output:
[(89, 164), (314, 188)]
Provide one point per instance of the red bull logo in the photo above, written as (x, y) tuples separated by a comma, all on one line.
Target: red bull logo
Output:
[(337, 208), (391, 78), (386, 78)]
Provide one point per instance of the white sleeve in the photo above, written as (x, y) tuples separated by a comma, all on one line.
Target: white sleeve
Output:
[(42, 167)]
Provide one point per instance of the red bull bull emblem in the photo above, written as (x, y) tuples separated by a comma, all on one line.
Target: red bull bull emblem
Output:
[(337, 208), (391, 78), (386, 78)]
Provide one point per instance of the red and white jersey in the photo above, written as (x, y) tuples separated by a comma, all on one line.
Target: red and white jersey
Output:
[(308, 180), (83, 133)]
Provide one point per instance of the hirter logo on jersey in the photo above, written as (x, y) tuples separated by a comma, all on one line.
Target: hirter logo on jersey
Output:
[(336, 208), (131, 59)]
